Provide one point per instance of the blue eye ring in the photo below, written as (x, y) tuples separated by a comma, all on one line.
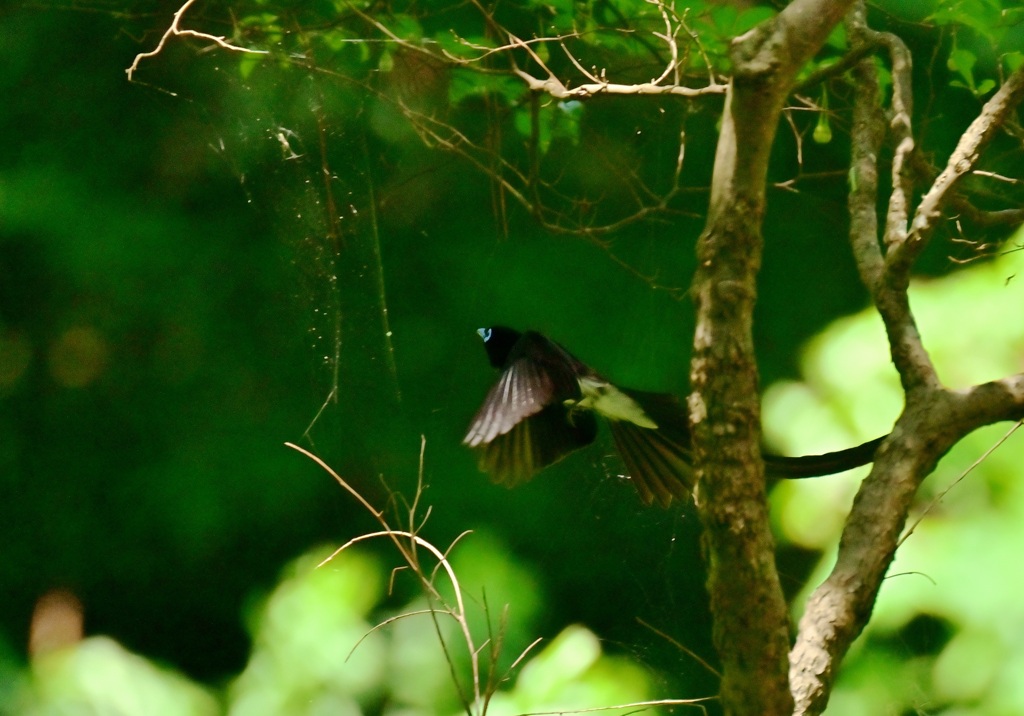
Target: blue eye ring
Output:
[(484, 333)]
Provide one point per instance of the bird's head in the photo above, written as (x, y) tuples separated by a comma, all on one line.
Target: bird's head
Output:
[(498, 342)]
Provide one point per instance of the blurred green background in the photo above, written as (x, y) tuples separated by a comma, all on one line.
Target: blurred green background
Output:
[(181, 292)]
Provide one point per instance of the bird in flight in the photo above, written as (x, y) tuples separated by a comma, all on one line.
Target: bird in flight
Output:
[(545, 406)]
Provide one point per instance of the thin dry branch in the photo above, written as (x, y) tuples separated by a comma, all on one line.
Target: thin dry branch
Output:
[(963, 160), (902, 132), (554, 87), (598, 83), (174, 30), (669, 38), (406, 542), (637, 706), (434, 132), (985, 219)]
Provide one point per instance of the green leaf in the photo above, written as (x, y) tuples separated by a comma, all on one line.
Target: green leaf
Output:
[(248, 63), (884, 77), (524, 125), (564, 660), (985, 17), (99, 676), (555, 120), (542, 51), (406, 27), (984, 87), (468, 83), (1013, 60), (962, 62)]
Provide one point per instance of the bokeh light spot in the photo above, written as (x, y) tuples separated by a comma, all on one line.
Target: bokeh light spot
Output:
[(78, 357)]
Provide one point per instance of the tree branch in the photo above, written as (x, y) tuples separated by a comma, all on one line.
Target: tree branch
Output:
[(902, 131), (555, 88), (887, 290), (867, 135), (982, 218), (174, 30), (839, 609), (963, 160), (934, 418), (751, 629)]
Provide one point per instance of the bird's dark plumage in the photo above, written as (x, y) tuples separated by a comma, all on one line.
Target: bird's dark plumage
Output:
[(524, 423), (544, 404)]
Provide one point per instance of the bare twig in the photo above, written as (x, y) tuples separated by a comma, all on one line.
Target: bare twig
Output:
[(968, 150), (406, 542), (938, 498), (598, 83), (982, 218), (554, 87), (669, 38), (696, 703), (174, 30), (902, 131), (682, 647)]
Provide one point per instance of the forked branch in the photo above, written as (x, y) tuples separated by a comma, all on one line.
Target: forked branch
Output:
[(935, 418), (175, 30)]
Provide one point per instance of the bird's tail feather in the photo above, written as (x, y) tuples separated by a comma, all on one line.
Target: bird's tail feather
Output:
[(796, 468), (659, 468), (658, 460)]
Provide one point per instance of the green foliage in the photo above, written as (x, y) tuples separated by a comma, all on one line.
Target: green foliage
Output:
[(315, 652), (620, 44), (303, 636), (401, 663), (962, 63), (99, 676), (554, 121), (988, 18), (466, 85), (983, 31), (571, 670)]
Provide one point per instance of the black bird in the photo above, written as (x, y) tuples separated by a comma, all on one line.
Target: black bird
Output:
[(543, 406)]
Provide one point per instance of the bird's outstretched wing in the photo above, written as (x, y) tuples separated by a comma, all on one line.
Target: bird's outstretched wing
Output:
[(524, 424), (523, 389), (534, 443)]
